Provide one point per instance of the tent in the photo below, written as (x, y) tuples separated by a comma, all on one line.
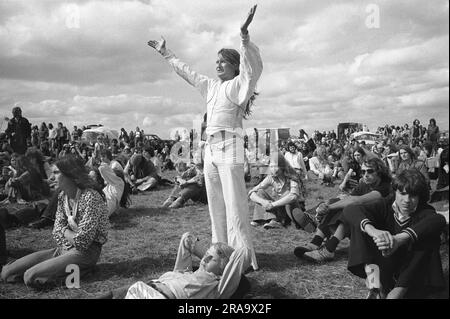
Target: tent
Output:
[(90, 135)]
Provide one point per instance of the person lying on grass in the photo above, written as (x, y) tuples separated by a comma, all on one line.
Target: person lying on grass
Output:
[(395, 243), (278, 198), (375, 184), (218, 276)]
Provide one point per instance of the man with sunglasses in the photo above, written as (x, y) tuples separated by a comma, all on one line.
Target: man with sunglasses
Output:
[(375, 184), (395, 242)]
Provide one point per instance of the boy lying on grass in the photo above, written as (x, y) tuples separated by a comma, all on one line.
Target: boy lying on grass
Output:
[(218, 276)]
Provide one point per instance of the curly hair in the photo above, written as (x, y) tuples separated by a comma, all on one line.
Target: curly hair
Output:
[(290, 144), (106, 153), (380, 168)]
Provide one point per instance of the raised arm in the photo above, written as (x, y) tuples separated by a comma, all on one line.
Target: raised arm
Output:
[(251, 65), (189, 246), (201, 82)]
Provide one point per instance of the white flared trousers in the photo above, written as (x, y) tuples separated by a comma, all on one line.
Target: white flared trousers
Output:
[(227, 195)]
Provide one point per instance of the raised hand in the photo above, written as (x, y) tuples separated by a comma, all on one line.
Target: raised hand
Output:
[(249, 19), (159, 46)]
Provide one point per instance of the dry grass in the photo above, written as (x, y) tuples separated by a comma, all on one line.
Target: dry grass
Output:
[(143, 242)]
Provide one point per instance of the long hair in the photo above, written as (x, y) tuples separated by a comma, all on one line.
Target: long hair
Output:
[(380, 168), (407, 149), (360, 150), (286, 168), (34, 153), (321, 153), (73, 168), (139, 165), (233, 57)]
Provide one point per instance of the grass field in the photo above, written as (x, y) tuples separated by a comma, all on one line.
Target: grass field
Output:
[(143, 242)]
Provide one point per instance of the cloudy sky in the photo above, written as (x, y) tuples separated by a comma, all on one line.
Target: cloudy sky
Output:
[(325, 62)]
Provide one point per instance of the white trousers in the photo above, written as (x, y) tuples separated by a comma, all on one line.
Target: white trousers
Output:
[(227, 195), (141, 290)]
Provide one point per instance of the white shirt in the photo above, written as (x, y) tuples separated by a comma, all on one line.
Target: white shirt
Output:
[(114, 187), (225, 101), (295, 160)]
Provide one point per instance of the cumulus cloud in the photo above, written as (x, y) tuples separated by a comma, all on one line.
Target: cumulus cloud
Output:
[(88, 61)]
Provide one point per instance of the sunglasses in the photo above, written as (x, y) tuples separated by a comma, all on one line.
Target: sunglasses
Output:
[(368, 171)]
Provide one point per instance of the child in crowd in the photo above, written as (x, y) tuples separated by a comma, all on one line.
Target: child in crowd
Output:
[(218, 277)]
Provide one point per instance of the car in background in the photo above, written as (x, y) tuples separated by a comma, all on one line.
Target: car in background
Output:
[(156, 142), (90, 126), (369, 138), (344, 129)]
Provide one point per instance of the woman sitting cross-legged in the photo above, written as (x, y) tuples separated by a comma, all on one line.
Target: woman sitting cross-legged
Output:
[(375, 184), (218, 277), (395, 244), (278, 198), (80, 229)]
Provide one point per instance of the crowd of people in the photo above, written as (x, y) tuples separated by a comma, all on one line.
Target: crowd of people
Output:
[(76, 186), (52, 185)]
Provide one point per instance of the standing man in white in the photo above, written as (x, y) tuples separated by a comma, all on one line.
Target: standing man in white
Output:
[(228, 101)]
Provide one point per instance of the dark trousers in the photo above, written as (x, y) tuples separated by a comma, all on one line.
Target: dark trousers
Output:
[(3, 254), (50, 210), (330, 221), (30, 214), (194, 192), (416, 266)]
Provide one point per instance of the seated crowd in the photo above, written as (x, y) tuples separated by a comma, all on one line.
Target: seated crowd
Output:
[(383, 208)]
